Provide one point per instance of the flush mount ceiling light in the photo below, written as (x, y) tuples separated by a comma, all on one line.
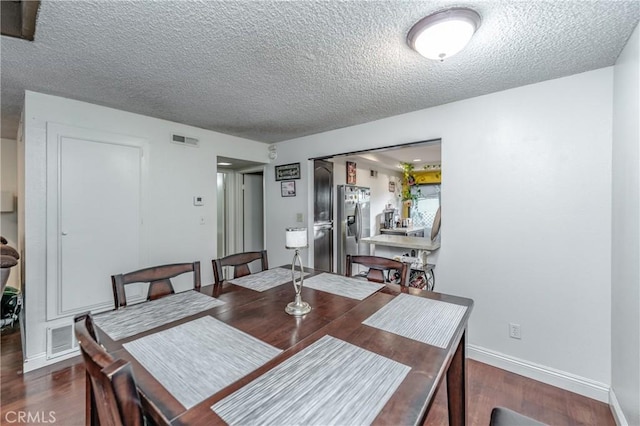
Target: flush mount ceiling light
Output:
[(443, 34)]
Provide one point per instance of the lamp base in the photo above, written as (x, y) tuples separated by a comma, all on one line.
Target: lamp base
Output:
[(298, 308)]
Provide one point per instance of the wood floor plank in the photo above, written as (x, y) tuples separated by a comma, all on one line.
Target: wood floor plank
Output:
[(60, 389)]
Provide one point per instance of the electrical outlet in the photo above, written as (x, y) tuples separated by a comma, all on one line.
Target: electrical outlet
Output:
[(202, 221), (514, 331), (299, 217)]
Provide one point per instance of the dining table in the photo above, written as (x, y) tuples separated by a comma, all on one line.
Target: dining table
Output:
[(367, 353)]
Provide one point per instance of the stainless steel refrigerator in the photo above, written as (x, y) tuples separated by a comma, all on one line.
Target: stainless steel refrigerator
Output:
[(354, 219)]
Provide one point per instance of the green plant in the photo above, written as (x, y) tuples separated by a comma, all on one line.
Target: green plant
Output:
[(408, 180)]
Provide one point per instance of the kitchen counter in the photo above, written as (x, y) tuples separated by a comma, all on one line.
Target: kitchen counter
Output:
[(401, 241), (411, 231)]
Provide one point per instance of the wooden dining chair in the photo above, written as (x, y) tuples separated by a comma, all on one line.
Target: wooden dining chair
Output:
[(240, 263), (88, 328), (112, 395), (380, 268), (158, 277)]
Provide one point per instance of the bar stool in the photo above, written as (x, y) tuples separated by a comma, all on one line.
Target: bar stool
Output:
[(423, 277), (501, 416)]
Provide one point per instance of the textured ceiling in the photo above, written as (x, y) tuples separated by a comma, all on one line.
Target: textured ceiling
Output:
[(275, 70)]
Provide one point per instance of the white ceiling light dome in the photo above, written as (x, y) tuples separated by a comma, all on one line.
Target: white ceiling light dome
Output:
[(443, 34)]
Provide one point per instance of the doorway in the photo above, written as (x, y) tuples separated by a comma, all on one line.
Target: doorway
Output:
[(240, 206), (382, 170), (253, 211)]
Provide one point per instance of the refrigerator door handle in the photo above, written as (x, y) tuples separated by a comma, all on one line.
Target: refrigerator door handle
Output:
[(323, 225), (358, 223)]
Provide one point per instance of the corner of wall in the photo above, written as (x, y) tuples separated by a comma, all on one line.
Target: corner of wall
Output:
[(616, 410)]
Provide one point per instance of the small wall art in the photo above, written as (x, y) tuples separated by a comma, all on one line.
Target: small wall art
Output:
[(288, 188), (351, 173)]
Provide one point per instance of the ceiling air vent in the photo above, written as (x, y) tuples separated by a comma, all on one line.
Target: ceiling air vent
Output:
[(184, 140), (18, 18)]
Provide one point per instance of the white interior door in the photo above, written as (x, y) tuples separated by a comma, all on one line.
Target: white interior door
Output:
[(98, 220), (253, 212), (221, 213)]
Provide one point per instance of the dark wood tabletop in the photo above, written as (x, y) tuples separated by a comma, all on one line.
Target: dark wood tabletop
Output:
[(262, 315)]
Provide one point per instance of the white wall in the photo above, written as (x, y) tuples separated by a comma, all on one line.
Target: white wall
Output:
[(526, 206), (625, 279), (9, 182), (171, 228)]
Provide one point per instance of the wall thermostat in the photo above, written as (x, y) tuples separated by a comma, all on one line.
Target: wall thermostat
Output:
[(198, 201)]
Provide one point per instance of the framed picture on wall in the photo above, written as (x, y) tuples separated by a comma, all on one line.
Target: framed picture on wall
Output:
[(288, 188), (351, 173), (288, 171)]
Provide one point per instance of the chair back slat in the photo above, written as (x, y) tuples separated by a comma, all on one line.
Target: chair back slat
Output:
[(376, 275), (160, 288), (241, 271)]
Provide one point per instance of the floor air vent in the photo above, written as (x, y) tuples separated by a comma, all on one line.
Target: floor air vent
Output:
[(60, 341), (184, 140)]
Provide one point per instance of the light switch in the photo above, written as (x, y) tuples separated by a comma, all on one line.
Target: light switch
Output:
[(198, 200)]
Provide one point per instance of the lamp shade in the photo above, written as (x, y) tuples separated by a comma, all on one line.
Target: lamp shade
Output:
[(443, 34), (296, 238)]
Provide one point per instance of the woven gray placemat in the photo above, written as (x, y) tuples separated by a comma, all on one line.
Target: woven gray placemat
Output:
[(331, 382), (264, 280), (197, 359), (425, 320), (144, 316), (343, 286)]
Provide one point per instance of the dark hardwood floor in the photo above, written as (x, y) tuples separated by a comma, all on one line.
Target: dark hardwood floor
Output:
[(60, 390)]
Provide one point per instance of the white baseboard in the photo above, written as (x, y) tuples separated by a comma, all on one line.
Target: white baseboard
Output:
[(561, 379), (41, 360), (616, 410), (34, 362)]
